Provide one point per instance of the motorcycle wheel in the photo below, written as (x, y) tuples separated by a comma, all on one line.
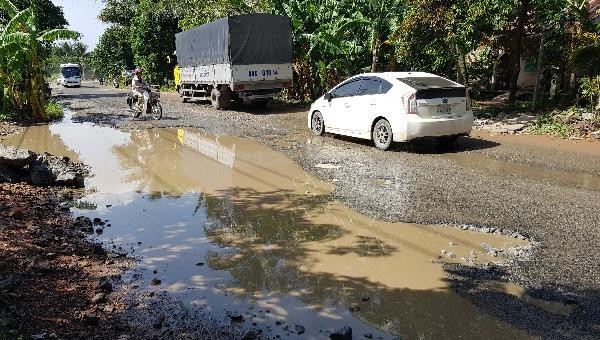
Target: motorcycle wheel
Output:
[(156, 111)]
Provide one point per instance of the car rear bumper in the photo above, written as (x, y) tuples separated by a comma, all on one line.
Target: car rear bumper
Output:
[(438, 127)]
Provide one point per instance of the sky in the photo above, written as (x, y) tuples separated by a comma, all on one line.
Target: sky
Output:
[(82, 16)]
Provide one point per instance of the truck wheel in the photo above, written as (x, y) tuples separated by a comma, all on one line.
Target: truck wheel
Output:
[(219, 100)]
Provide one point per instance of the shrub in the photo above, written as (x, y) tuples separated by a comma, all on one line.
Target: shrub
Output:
[(590, 89), (55, 111)]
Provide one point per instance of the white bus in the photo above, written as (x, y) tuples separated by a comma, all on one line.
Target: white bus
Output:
[(70, 75)]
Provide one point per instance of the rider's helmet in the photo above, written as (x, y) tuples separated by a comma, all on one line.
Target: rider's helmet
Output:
[(138, 70)]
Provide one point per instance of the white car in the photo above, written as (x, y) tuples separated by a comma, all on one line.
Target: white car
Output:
[(394, 107)]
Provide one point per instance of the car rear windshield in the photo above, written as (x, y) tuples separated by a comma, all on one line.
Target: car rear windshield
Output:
[(434, 87)]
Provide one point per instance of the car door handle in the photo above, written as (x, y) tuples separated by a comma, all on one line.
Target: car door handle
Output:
[(346, 105)]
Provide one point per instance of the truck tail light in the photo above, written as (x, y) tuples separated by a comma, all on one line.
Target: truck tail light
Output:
[(238, 87), (412, 105), (287, 84)]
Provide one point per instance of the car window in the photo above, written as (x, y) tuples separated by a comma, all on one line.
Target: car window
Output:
[(419, 83), (347, 90), (374, 85)]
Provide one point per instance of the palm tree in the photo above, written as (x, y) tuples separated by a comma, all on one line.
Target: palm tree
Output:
[(21, 37)]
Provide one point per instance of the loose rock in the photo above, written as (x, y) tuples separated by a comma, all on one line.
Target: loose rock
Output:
[(344, 333)]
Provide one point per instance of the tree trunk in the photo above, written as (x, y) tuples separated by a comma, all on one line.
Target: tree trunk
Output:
[(376, 51), (537, 75), (494, 81), (517, 51), (37, 99), (461, 67)]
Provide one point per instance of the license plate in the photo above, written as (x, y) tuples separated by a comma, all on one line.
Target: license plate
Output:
[(444, 109)]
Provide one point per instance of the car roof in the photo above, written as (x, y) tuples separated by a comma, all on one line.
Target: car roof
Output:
[(393, 76), (69, 65)]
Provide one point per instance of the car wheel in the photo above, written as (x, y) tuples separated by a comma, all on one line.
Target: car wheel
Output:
[(317, 124), (382, 134)]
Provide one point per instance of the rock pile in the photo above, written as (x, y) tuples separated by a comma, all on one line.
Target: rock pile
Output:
[(21, 165)]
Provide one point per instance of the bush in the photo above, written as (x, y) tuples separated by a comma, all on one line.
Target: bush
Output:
[(590, 89), (169, 87), (573, 122), (55, 111)]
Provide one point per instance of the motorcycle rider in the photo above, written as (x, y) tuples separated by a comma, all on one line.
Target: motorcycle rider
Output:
[(140, 89)]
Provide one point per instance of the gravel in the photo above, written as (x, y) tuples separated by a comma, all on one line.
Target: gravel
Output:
[(549, 196)]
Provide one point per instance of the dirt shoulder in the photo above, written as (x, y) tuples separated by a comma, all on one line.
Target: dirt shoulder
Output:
[(53, 280)]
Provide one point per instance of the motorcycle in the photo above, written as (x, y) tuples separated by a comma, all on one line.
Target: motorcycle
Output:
[(101, 80), (115, 83), (154, 109)]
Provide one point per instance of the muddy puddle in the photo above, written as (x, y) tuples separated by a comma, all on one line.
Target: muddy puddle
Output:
[(232, 227)]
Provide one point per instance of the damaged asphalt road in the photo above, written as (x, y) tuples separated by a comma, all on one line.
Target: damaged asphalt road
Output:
[(548, 193)]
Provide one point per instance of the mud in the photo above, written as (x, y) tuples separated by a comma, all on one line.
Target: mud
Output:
[(229, 226)]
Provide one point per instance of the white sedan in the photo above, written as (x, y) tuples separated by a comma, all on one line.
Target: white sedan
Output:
[(394, 107)]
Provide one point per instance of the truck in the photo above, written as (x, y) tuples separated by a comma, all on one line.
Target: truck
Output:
[(243, 58)]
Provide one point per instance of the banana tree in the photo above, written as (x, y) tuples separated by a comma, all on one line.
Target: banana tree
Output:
[(22, 38)]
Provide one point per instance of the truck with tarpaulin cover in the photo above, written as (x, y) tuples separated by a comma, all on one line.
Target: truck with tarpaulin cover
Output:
[(244, 58)]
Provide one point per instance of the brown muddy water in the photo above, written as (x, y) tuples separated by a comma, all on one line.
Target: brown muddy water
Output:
[(233, 227)]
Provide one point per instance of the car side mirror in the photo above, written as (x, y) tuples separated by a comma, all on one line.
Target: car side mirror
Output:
[(328, 96)]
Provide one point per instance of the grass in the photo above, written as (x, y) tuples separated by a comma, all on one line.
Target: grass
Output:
[(55, 111), (566, 123), (547, 124)]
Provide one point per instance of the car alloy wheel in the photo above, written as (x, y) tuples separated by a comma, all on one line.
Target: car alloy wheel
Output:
[(382, 134), (317, 125)]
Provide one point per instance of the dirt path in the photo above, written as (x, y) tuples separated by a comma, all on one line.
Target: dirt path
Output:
[(545, 189)]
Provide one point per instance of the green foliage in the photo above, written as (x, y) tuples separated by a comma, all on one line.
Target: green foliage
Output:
[(168, 87), (66, 52), (152, 37), (118, 12), (333, 39), (566, 123), (113, 53), (590, 89), (192, 13), (55, 111), (21, 44), (141, 33), (49, 16), (549, 125)]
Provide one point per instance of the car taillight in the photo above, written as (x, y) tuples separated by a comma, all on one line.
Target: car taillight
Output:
[(412, 105), (468, 100)]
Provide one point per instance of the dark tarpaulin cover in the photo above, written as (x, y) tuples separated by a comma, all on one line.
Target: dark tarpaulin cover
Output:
[(239, 40)]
